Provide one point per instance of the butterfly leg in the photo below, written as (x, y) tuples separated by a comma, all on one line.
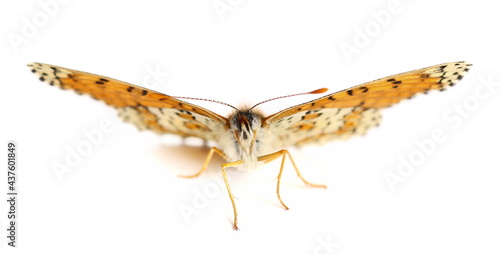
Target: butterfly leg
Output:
[(300, 175), (283, 153), (224, 175), (205, 164)]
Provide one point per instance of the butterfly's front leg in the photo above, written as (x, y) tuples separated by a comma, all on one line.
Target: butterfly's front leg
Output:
[(282, 153), (224, 175), (226, 181), (205, 164)]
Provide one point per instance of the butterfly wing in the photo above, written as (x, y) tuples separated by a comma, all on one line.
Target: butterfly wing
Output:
[(146, 109), (355, 110)]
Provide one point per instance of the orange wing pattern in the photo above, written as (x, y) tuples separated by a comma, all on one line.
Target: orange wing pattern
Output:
[(147, 109), (353, 111)]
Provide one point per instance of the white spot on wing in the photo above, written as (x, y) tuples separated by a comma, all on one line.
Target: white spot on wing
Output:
[(324, 126), (449, 73), (132, 116), (49, 74)]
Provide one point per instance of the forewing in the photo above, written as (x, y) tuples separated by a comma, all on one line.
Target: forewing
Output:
[(146, 109), (353, 111)]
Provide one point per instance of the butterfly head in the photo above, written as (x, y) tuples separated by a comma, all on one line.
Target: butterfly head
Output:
[(245, 125)]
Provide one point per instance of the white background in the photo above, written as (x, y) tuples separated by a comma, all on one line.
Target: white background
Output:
[(124, 195)]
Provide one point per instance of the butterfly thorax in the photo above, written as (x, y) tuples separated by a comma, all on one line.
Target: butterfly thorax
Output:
[(242, 142)]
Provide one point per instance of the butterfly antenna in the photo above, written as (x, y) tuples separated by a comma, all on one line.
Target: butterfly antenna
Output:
[(208, 100), (318, 91)]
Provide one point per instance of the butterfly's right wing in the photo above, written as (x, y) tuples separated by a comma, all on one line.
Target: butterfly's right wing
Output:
[(144, 108), (353, 111)]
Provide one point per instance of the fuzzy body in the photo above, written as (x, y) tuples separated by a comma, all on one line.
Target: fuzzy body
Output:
[(246, 139)]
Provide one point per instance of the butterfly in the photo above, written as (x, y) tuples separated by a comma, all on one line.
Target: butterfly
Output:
[(247, 137)]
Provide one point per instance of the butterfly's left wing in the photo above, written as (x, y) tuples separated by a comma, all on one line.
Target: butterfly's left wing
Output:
[(144, 108), (355, 110)]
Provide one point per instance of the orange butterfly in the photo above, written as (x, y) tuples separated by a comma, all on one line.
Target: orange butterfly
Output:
[(247, 137)]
